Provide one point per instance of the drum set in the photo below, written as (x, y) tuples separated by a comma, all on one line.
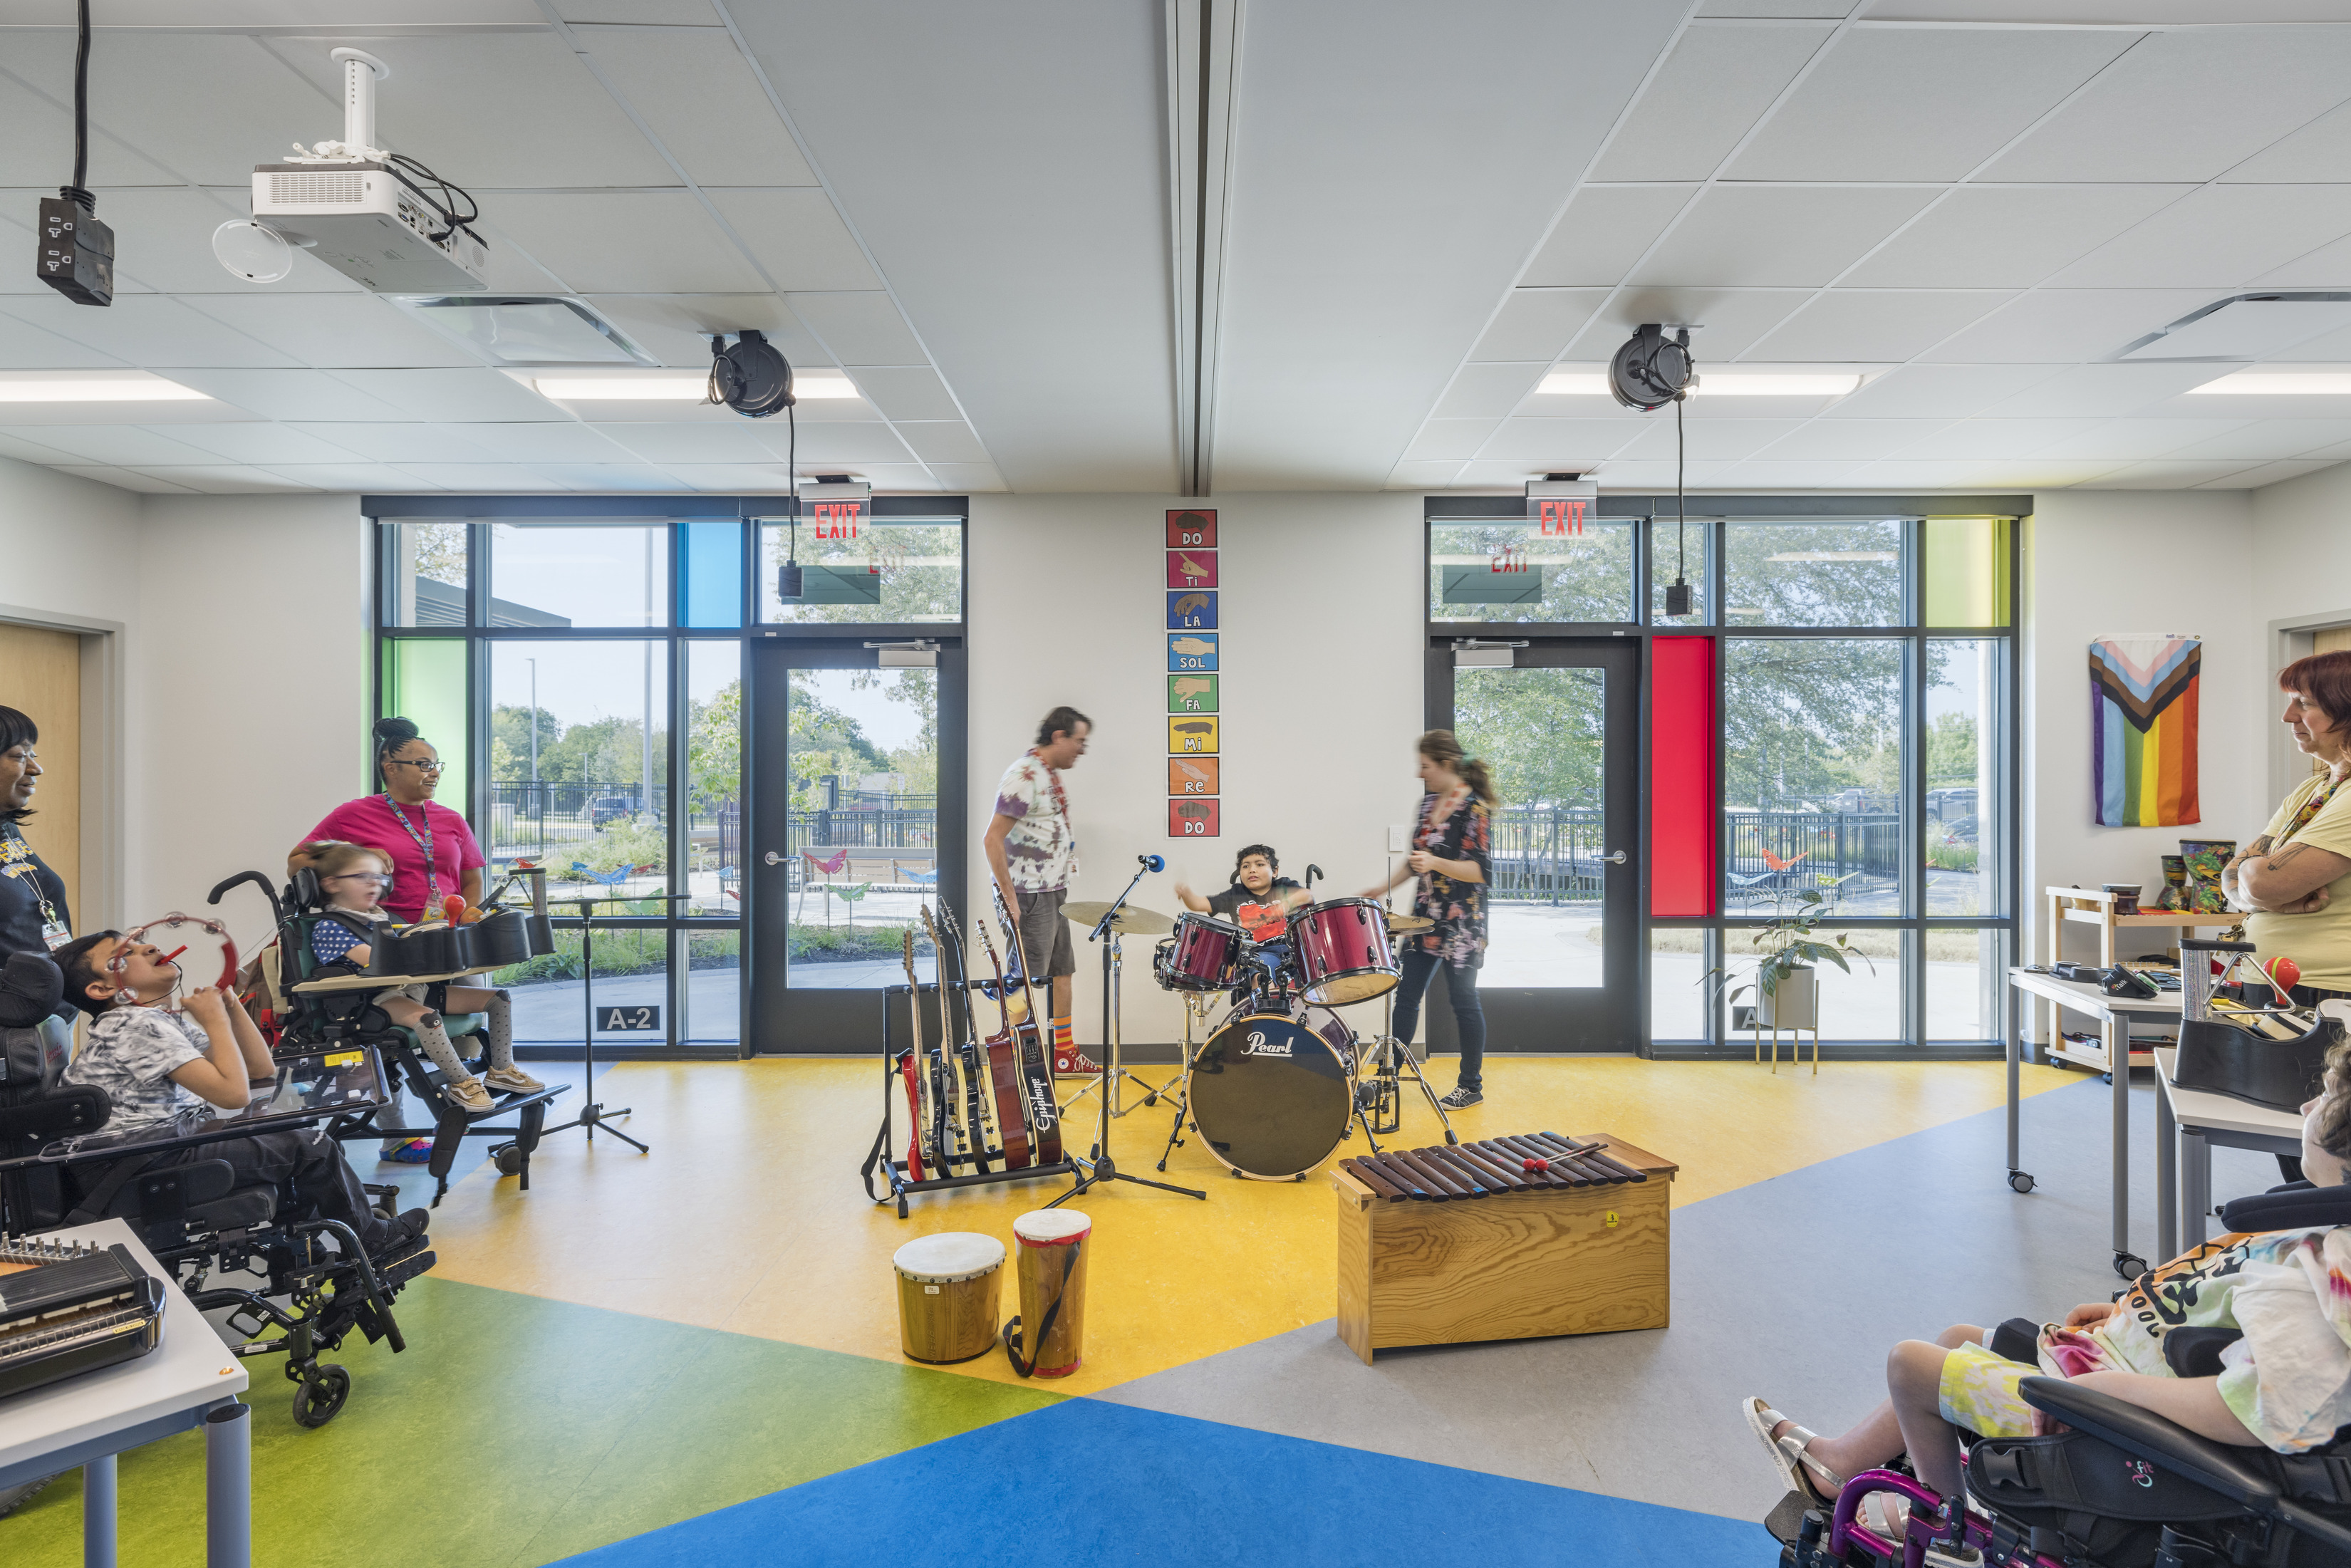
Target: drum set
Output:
[(1280, 1078)]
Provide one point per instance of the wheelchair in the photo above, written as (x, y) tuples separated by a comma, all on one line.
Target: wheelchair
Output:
[(316, 1020), (58, 1168), (2124, 1487)]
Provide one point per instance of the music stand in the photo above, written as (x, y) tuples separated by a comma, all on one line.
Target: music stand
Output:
[(592, 1115), (1101, 1169)]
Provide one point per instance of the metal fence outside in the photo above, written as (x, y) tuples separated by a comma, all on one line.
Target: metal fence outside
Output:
[(1848, 852), (559, 821), (1547, 853)]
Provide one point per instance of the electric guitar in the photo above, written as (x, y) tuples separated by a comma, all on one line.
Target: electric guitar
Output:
[(979, 1122), (938, 1073), (1022, 1019), (920, 1151), (1003, 1069)]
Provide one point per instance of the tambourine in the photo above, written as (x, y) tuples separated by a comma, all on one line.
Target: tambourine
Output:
[(212, 928)]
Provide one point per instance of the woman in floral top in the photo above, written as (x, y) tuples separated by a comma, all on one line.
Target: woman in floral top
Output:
[(1449, 858)]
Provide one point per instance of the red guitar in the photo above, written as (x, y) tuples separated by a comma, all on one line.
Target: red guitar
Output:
[(919, 1141), (1003, 1073), (1044, 1110)]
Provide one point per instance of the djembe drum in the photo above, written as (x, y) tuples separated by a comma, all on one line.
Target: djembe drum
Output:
[(946, 1294), (1049, 1246)]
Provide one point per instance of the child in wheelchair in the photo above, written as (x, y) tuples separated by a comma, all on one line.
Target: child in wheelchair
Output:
[(2245, 1341), (351, 877), (154, 1063)]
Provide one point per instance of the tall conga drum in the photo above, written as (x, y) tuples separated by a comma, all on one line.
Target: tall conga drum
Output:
[(946, 1294), (1049, 1338)]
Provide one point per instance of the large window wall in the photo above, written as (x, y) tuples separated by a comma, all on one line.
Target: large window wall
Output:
[(1849, 678)]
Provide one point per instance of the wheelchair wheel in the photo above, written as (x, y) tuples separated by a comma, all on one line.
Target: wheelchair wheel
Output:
[(317, 1401), (507, 1159)]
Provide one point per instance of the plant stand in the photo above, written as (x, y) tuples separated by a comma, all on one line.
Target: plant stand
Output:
[(1795, 1006)]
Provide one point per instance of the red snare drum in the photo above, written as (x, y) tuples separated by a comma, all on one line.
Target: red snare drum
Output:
[(1342, 951), (1201, 955)]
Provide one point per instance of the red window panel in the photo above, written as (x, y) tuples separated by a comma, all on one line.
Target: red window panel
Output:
[(1682, 808)]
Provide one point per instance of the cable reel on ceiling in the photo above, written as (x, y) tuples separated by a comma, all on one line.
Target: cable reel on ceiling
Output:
[(753, 378), (1652, 369)]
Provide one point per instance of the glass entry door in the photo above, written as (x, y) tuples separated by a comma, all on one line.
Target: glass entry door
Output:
[(1559, 730), (857, 833)]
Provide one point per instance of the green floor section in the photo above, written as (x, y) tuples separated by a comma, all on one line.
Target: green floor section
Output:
[(515, 1431)]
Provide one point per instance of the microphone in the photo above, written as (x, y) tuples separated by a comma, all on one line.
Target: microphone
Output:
[(1151, 862)]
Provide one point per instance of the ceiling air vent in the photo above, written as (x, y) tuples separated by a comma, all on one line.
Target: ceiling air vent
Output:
[(338, 187), (2244, 327)]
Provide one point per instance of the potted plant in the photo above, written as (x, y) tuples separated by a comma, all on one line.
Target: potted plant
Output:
[(1786, 987)]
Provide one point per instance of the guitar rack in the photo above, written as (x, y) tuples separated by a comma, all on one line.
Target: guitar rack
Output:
[(903, 1185)]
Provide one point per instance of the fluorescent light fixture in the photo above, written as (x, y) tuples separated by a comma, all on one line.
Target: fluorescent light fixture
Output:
[(673, 388), (2282, 383), (1717, 383), (120, 386)]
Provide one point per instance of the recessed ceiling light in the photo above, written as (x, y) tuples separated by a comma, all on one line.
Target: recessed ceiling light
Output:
[(1715, 384), (2286, 383), (121, 386), (672, 388)]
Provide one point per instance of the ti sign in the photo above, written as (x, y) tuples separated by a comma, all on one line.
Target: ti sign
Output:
[(628, 1020)]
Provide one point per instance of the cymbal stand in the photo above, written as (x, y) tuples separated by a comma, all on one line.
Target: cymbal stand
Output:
[(1099, 1167), (1194, 1005)]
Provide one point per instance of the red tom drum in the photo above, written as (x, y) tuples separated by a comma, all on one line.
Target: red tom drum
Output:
[(1202, 956), (1342, 951)]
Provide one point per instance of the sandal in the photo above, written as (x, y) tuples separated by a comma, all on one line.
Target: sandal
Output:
[(1789, 1455)]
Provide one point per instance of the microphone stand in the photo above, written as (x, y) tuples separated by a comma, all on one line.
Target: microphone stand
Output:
[(1100, 1168)]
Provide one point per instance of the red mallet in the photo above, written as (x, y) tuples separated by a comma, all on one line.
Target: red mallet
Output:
[(1538, 1165), (172, 953), (452, 908), (2284, 974)]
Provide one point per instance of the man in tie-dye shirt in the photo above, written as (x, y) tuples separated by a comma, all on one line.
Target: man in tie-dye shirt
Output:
[(1033, 852)]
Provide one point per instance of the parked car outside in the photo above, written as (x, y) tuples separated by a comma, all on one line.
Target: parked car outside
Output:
[(605, 810), (1963, 831)]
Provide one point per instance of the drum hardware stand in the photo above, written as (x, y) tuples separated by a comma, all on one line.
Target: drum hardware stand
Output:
[(1101, 1169), (1193, 1006), (1387, 1098)]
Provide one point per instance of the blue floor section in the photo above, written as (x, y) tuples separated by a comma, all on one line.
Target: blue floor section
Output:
[(1087, 1482)]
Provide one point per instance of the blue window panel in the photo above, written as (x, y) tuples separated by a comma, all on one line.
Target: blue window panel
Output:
[(711, 576)]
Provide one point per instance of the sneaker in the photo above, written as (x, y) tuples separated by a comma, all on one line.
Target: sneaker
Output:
[(1462, 1099), (402, 1234), (467, 1094), (511, 1080), (415, 1152), (1073, 1062)]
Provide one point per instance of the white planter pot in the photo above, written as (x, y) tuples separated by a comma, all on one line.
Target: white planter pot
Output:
[(1796, 1004)]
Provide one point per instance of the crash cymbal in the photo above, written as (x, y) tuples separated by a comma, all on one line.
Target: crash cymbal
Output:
[(1131, 921), (1402, 925)]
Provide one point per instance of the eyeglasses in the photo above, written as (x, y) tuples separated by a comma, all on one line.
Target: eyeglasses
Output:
[(431, 765), (377, 877)]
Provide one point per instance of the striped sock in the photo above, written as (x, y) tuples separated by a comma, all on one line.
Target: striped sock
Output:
[(1062, 1037)]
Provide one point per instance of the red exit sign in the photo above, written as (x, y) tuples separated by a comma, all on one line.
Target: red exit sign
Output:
[(1561, 517), (836, 519)]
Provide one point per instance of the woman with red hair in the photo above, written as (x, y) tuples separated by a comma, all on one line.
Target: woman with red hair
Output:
[(2294, 881)]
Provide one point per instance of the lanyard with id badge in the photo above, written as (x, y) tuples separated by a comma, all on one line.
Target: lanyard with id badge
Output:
[(16, 861)]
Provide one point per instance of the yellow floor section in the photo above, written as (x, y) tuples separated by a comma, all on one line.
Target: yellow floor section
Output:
[(749, 1216)]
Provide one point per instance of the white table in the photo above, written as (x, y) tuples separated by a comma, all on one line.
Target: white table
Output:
[(2194, 1119), (189, 1380), (2116, 1014)]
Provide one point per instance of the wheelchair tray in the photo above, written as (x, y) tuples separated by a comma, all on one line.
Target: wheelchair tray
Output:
[(309, 1086)]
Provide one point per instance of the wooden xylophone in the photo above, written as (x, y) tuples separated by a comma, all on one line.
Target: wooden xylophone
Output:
[(1524, 1162)]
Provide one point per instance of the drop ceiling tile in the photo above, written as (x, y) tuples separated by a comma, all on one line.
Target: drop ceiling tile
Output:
[(2112, 391), (860, 328), (1988, 236), (695, 443), (1710, 439), (493, 110), (467, 395), (125, 446), (907, 391), (262, 445), (2327, 268), (2065, 326), (1996, 438), (1603, 233), (672, 76), (1561, 443), (478, 477), (1536, 324), (375, 479), (221, 479), (406, 443), (2273, 438), (1774, 8), (627, 242), (1455, 440), (840, 443), (1871, 324), (1770, 472), (942, 441), (969, 478), (2315, 154), (512, 269), (288, 394), (1856, 439), (2138, 439), (34, 451), (1497, 474), (2172, 475), (1713, 85), (1488, 391), (732, 478), (37, 123), (1950, 473), (543, 443), (1924, 104), (151, 330), (2270, 473), (334, 330), (1938, 392), (885, 477), (1423, 476), (2218, 237), (676, 328), (1777, 237), (25, 346), (592, 479), (677, 13), (2187, 106), (1655, 477), (206, 106), (1725, 322), (798, 237), (127, 479)]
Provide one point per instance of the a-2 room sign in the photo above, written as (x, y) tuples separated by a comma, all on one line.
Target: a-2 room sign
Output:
[(628, 1020)]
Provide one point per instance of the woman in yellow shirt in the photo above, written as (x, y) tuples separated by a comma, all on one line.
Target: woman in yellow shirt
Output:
[(2294, 881)]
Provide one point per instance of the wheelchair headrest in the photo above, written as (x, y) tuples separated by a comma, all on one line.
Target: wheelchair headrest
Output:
[(30, 985), (31, 1058), (304, 892), (2295, 1206)]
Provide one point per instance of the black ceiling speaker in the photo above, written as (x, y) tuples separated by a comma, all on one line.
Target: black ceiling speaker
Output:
[(753, 378), (1652, 369)]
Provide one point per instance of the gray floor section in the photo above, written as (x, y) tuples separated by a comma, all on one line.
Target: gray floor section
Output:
[(1793, 1289)]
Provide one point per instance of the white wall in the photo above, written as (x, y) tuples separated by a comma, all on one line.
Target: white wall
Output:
[(2106, 561), (1320, 622), (2301, 568)]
